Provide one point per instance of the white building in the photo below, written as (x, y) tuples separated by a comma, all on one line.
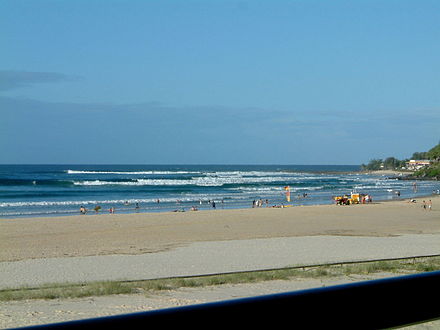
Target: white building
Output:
[(417, 164)]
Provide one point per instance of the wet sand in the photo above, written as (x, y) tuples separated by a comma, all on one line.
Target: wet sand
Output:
[(108, 234)]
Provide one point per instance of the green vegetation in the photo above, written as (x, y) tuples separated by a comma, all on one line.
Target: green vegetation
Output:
[(392, 163), (432, 171), (63, 291), (434, 153), (389, 163)]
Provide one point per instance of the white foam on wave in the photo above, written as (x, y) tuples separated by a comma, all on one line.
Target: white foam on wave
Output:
[(214, 181), (131, 172), (301, 176), (250, 173), (122, 202), (139, 182), (256, 189), (274, 189), (89, 202)]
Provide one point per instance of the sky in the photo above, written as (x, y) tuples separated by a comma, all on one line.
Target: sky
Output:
[(218, 82)]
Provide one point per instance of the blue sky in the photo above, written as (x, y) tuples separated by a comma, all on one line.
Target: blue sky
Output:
[(218, 82)]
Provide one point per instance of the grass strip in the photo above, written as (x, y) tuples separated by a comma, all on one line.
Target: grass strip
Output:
[(105, 288)]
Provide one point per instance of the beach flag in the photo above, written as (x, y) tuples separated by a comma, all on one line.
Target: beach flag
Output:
[(287, 189)]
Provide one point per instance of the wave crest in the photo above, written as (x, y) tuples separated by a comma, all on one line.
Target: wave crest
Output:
[(131, 172)]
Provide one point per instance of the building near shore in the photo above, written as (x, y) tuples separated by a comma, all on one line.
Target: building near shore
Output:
[(417, 164)]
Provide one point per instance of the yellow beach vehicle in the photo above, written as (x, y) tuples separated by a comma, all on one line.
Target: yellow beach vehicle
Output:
[(353, 198)]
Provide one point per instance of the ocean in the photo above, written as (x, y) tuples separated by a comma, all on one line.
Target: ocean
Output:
[(45, 190)]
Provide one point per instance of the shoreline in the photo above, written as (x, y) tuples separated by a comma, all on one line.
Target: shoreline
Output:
[(140, 233), (185, 208)]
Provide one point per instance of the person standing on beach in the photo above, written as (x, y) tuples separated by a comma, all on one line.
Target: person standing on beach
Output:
[(430, 205), (424, 205)]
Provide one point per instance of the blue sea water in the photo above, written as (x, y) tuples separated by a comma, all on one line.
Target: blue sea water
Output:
[(42, 190)]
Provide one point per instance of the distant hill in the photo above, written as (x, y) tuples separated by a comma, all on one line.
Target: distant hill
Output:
[(434, 153)]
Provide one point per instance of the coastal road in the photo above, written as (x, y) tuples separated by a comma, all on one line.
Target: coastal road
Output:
[(201, 258)]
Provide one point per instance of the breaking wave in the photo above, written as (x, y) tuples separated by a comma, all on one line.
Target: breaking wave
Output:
[(212, 181), (131, 172)]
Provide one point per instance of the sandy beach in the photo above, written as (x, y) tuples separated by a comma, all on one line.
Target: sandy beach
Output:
[(202, 239), (105, 234)]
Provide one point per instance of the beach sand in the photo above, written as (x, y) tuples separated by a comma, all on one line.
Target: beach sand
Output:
[(94, 235), (107, 234)]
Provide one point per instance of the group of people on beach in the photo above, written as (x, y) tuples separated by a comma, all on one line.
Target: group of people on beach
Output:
[(259, 203), (97, 208), (367, 199), (111, 210), (427, 205), (255, 204)]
